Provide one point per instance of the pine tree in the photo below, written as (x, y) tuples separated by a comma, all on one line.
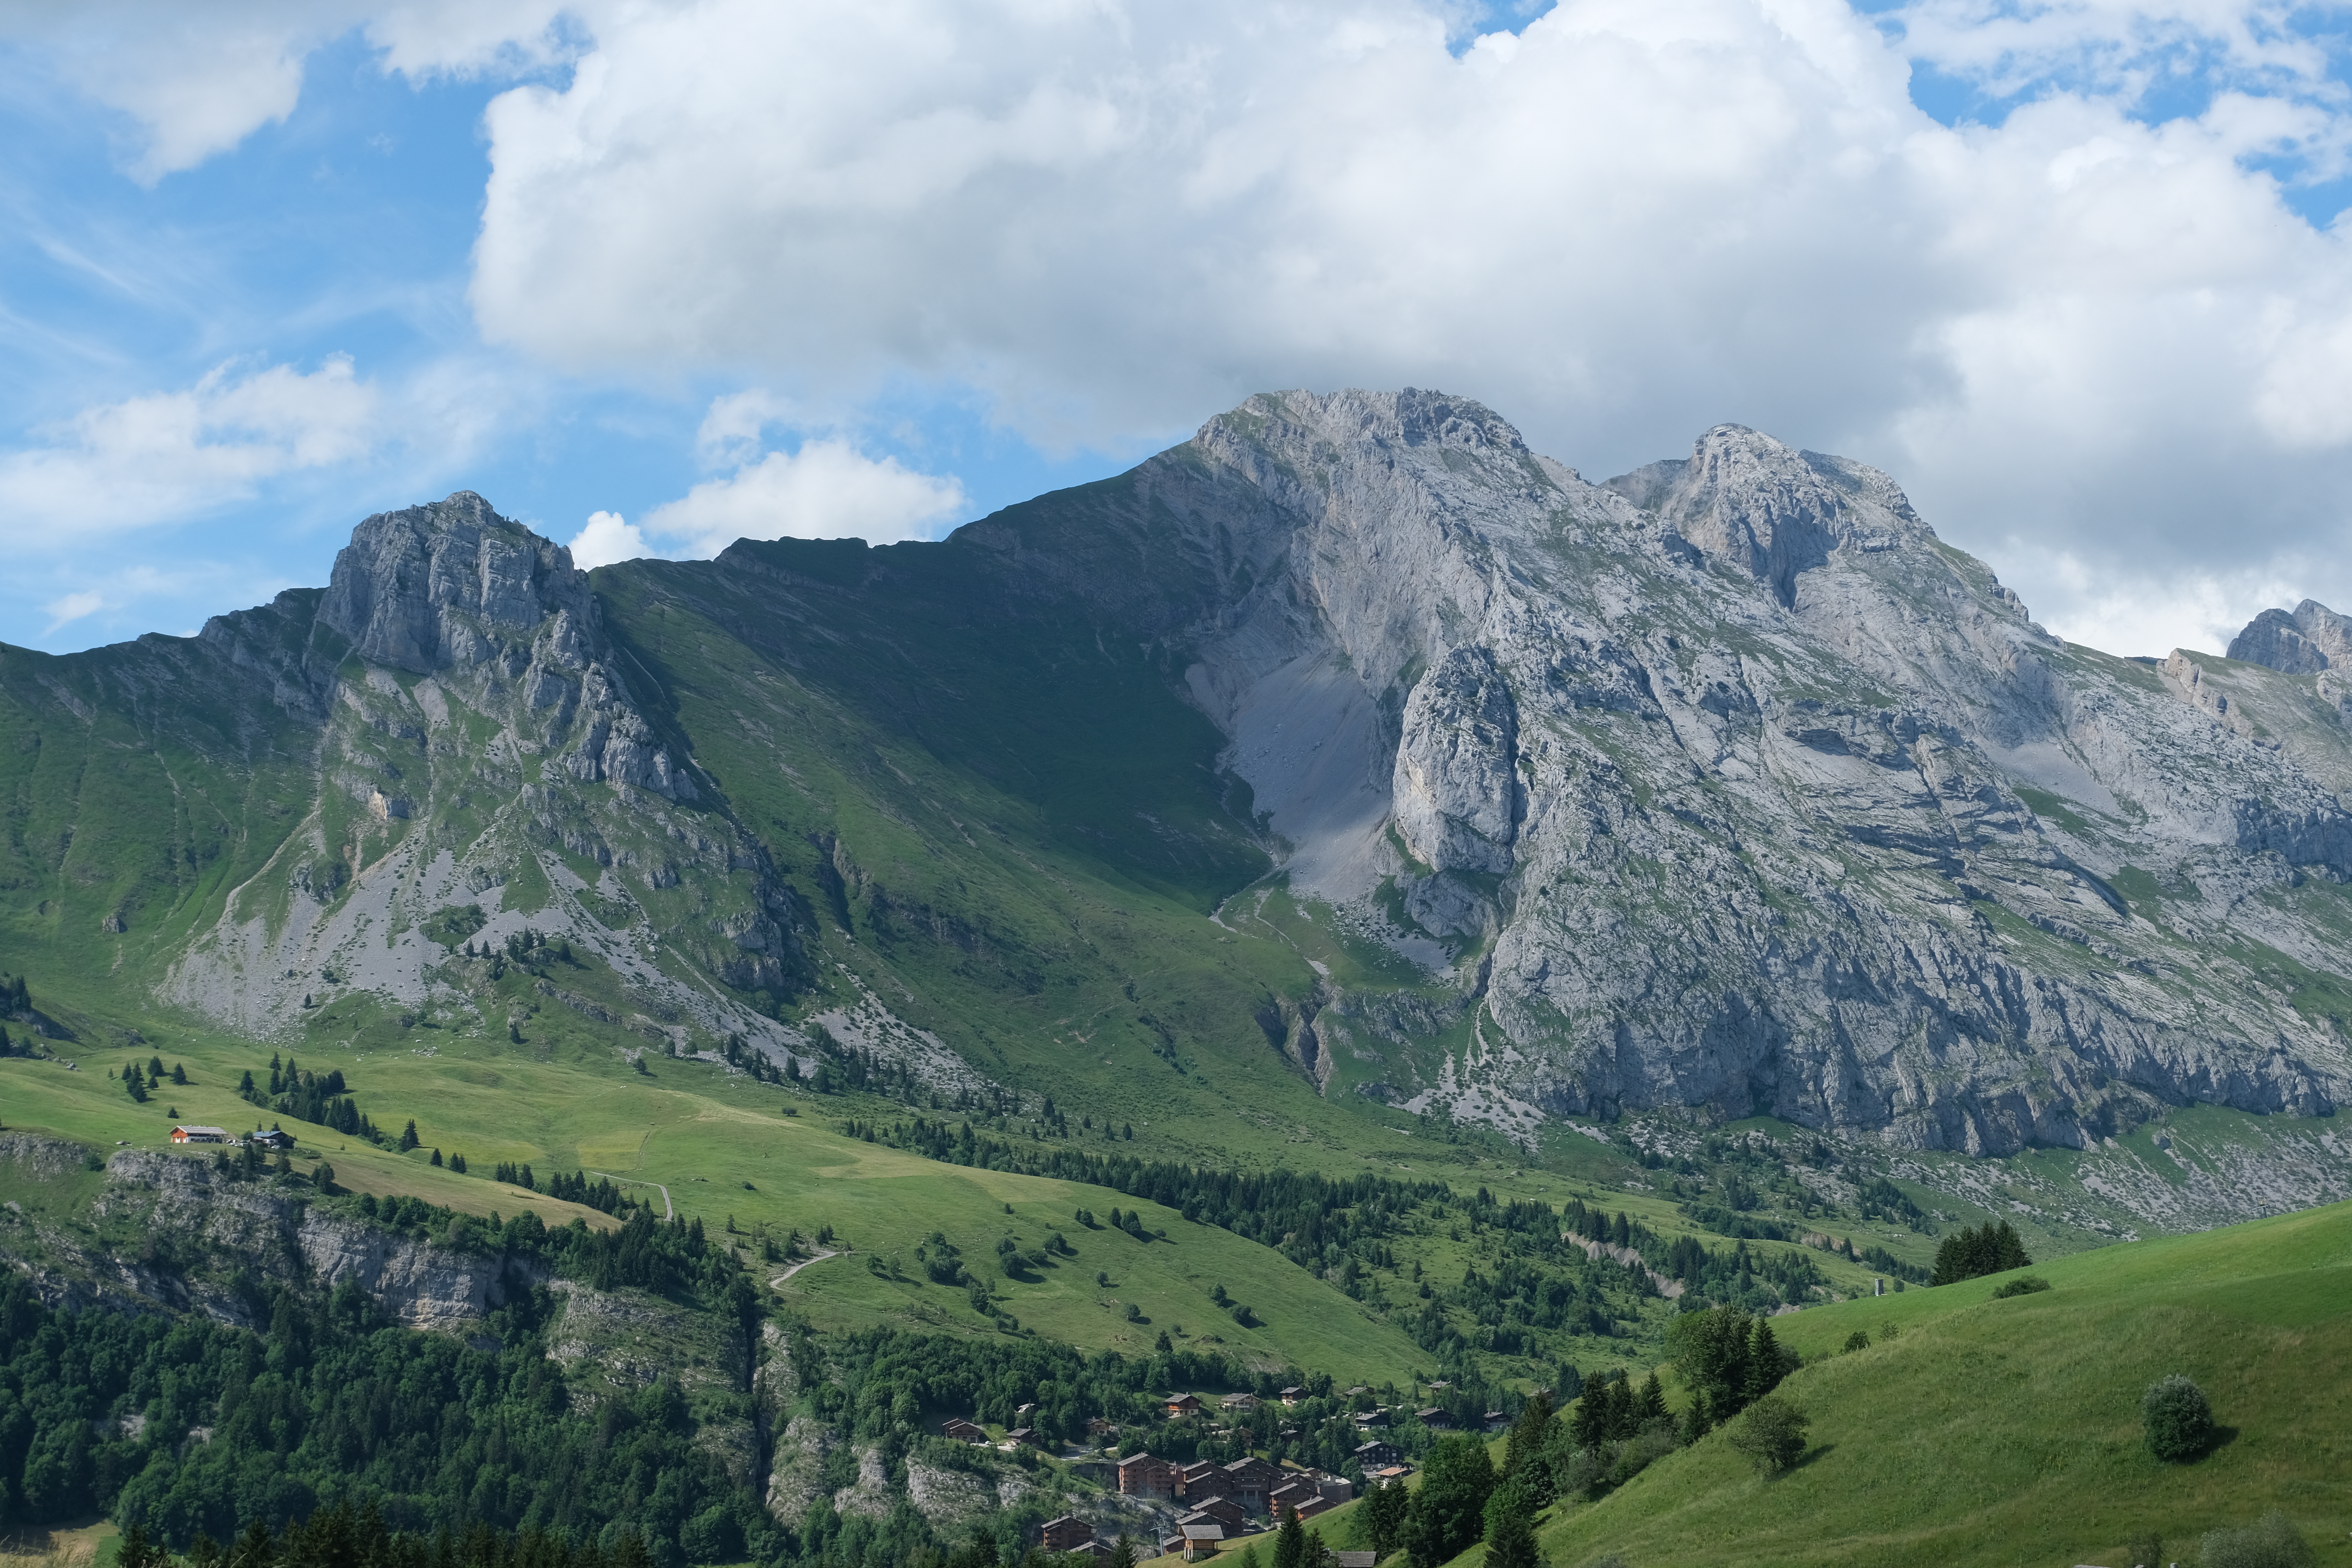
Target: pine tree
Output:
[(179, 1073), (1384, 1515), (1651, 1403), (408, 1140)]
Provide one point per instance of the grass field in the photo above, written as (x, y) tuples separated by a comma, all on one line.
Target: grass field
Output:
[(2006, 1432)]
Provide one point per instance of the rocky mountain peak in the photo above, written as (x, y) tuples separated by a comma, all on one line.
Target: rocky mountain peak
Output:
[(1774, 510), (2305, 642), (453, 583)]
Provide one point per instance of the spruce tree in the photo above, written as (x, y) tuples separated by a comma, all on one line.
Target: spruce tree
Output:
[(408, 1140), (1510, 1530), (1529, 1433), (1290, 1543)]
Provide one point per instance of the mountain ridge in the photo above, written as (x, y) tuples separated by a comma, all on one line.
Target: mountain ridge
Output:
[(1722, 788)]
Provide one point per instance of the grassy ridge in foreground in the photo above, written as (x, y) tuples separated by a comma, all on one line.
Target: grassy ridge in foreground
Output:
[(2008, 1432)]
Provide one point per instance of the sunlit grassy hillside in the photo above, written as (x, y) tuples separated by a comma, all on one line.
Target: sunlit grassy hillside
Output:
[(2000, 1431)]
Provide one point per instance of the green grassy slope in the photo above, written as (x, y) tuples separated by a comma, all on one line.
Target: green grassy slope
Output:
[(2008, 1432), (731, 1153)]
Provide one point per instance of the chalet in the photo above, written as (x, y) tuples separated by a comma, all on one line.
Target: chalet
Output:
[(273, 1139), (1311, 1506), (1357, 1559), (1371, 1455), (1494, 1421), (1440, 1386), (1292, 1495), (1181, 1405), (1094, 1549), (1252, 1479), (199, 1135), (1222, 1510), (1199, 1540), (1336, 1489), (1360, 1388), (1293, 1395), (956, 1429), (1021, 1434), (1141, 1475), (1433, 1418), (1066, 1533), (1390, 1475), (1371, 1417), (1242, 1402), (1098, 1428), (1202, 1479)]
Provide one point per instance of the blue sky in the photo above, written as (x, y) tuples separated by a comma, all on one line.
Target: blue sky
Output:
[(2073, 272)]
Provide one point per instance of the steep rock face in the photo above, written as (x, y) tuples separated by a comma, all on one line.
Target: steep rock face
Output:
[(242, 1225), (473, 725), (1726, 784), (2310, 639), (1457, 789)]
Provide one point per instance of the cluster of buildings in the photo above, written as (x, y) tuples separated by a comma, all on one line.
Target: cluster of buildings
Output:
[(1221, 1501), (272, 1139)]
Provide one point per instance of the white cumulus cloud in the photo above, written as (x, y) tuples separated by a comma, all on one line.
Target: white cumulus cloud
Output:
[(1632, 219), (827, 489), (607, 538), (166, 457)]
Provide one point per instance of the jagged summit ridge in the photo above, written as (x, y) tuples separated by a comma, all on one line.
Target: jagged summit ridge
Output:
[(2310, 639)]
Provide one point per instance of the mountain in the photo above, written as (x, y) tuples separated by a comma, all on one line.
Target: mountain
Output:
[(1349, 763)]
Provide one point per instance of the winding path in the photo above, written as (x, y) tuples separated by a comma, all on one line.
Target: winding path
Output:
[(668, 1210), (804, 1263)]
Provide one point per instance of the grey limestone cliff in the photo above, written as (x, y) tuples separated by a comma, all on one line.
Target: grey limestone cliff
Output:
[(1727, 785)]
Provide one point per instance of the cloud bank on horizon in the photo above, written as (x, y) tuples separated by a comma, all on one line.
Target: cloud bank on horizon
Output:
[(2072, 270)]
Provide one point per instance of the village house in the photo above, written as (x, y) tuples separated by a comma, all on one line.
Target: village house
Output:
[(1098, 1428), (273, 1139), (956, 1429), (1433, 1418), (1180, 1405), (1293, 1395), (1252, 1479), (1225, 1511), (1199, 1540), (1371, 1455), (1141, 1475), (1202, 1479), (199, 1135), (1066, 1533), (1357, 1559), (1240, 1402)]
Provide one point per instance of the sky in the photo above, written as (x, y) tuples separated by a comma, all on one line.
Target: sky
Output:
[(653, 275)]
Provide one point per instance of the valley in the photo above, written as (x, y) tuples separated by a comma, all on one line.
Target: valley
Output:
[(1347, 900)]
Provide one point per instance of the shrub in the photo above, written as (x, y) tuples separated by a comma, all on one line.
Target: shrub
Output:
[(1771, 1434), (2024, 1285), (2274, 1543), (2177, 1418), (1857, 1340)]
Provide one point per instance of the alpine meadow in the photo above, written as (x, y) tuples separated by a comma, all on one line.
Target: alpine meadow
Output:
[(1347, 989)]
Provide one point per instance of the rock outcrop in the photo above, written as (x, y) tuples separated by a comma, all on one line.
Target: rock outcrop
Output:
[(471, 715), (2311, 638)]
